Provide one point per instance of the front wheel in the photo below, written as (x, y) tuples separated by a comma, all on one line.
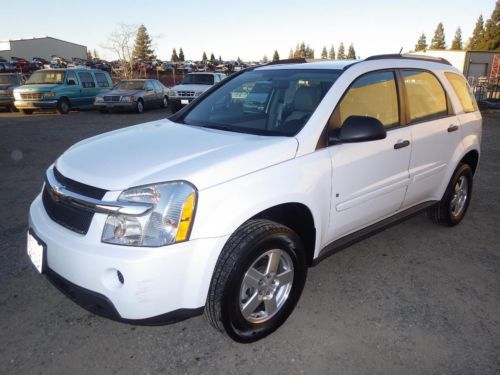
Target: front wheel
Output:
[(140, 106), (164, 103), (27, 111), (257, 281), (63, 106), (451, 209)]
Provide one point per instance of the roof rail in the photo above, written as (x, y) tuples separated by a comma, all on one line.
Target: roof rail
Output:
[(299, 60), (409, 57)]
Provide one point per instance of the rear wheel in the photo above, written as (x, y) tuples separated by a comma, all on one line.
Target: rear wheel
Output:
[(452, 208), (63, 106), (27, 111), (257, 281), (164, 103)]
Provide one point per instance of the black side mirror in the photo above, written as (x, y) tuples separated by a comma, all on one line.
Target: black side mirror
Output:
[(357, 129)]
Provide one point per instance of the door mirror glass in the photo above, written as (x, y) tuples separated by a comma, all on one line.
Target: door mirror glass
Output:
[(357, 129)]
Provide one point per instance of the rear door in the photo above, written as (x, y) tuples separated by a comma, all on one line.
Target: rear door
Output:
[(89, 88), (435, 133), (369, 179)]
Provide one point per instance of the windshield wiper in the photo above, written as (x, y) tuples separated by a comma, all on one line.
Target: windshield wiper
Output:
[(221, 127)]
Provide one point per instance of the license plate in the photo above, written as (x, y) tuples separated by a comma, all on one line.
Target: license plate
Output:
[(184, 101), (35, 252)]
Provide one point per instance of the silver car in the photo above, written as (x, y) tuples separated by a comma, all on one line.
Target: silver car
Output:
[(133, 94)]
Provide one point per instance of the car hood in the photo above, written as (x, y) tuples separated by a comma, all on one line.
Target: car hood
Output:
[(122, 92), (191, 87), (36, 88), (162, 151), (8, 87)]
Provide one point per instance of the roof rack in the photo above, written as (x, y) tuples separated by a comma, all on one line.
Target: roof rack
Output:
[(409, 57), (299, 60)]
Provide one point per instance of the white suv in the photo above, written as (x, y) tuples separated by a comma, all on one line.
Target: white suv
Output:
[(223, 207)]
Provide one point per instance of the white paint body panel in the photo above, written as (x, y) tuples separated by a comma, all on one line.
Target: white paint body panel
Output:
[(241, 175)]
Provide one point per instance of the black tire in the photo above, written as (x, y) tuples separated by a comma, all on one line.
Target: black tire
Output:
[(139, 108), (12, 108), (250, 243), (63, 106), (164, 102), (447, 211), (27, 111)]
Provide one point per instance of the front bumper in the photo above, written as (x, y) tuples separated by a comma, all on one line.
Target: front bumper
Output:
[(179, 102), (163, 284), (116, 105), (34, 104)]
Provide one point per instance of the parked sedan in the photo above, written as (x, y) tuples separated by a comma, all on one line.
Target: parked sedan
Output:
[(133, 94), (8, 82)]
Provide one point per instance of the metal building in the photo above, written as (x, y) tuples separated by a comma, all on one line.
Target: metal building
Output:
[(44, 47)]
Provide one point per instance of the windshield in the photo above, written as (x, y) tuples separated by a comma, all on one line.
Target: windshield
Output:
[(198, 79), (265, 102), (8, 79), (47, 77), (130, 85)]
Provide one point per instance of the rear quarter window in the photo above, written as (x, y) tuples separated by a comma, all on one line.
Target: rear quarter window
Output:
[(463, 92), (86, 79), (101, 79)]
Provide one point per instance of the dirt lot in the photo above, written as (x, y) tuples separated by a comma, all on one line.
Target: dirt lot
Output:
[(416, 298)]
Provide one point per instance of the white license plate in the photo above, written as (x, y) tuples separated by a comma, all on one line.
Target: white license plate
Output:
[(35, 252), (184, 101)]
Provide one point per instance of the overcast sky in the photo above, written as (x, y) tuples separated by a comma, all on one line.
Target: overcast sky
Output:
[(248, 29)]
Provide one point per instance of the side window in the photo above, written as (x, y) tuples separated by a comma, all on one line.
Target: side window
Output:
[(86, 79), (149, 86), (101, 80), (71, 76), (374, 95), (463, 92), (425, 95)]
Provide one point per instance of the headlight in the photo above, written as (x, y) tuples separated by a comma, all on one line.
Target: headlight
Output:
[(171, 93), (169, 221), (50, 94), (17, 96), (126, 99)]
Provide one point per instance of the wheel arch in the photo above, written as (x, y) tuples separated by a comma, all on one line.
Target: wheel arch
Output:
[(472, 159)]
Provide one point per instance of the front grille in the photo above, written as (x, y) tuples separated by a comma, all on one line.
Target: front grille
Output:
[(32, 96), (185, 93), (111, 98), (73, 217)]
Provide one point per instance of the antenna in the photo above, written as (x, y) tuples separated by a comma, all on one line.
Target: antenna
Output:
[(401, 50)]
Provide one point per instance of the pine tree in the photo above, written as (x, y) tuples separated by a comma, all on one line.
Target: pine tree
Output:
[(477, 39), (276, 56), (96, 55), (351, 53), (265, 59), (181, 55), (212, 58), (457, 41), (331, 54), (290, 55), (220, 59), (296, 53), (174, 57), (341, 53), (204, 58), (421, 43), (308, 52), (438, 41), (302, 50), (239, 61), (142, 48), (491, 39), (324, 54), (89, 54)]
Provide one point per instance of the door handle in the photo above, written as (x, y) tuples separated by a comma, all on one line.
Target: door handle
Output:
[(452, 128), (401, 144)]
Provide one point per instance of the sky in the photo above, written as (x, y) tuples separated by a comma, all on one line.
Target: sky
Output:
[(248, 29)]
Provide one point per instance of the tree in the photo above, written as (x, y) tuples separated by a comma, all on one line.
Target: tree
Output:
[(239, 61), (324, 54), (290, 55), (309, 52), (491, 38), (456, 44), (204, 58), (96, 55), (331, 54), (302, 50), (212, 58), (341, 52), (120, 42), (351, 53), (265, 59), (220, 59), (174, 57), (276, 56), (438, 41), (421, 43), (142, 48), (477, 39), (89, 54), (181, 55)]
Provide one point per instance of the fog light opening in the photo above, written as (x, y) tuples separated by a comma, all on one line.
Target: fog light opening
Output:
[(120, 277)]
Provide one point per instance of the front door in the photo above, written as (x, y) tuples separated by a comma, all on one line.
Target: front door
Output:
[(369, 179)]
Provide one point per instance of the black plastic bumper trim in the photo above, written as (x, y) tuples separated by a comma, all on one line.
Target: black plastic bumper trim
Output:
[(102, 306)]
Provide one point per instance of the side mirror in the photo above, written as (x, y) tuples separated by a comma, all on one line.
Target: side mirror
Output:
[(71, 82), (357, 129)]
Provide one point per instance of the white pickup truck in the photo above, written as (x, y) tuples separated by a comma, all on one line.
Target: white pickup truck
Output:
[(223, 207)]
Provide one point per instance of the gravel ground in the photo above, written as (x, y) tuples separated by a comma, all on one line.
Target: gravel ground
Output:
[(416, 298)]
